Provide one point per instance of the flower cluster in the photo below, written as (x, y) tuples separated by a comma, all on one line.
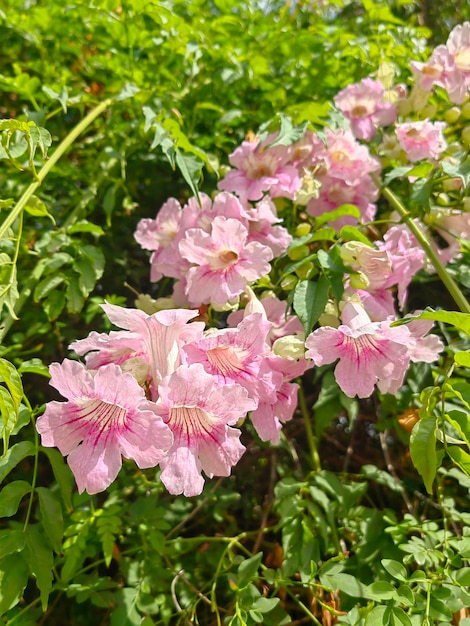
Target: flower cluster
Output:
[(165, 391), (162, 392), (215, 249)]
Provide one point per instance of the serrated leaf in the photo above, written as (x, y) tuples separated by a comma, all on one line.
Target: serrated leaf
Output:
[(51, 517), (423, 450), (74, 296), (288, 134), (310, 299), (11, 496), (62, 474), (46, 285), (41, 562), (54, 304)]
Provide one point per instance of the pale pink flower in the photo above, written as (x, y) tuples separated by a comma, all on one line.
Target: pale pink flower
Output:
[(151, 341), (423, 347), (335, 192), (345, 158), (365, 106), (375, 264), (369, 353), (438, 69), (263, 227), (223, 263), (282, 322), (261, 169), (421, 140), (406, 255), (235, 355), (448, 66), (107, 415), (160, 236), (200, 414)]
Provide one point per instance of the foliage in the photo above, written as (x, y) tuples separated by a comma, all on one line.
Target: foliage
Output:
[(109, 108)]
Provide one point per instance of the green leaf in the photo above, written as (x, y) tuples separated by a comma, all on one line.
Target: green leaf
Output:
[(309, 302), (400, 617), (461, 321), (376, 617), (395, 569), (462, 358), (62, 474), (248, 569), (38, 208), (74, 295), (422, 170), (46, 285), (351, 233), (41, 562), (11, 541), (13, 580), (54, 304), (341, 211), (14, 455), (288, 134), (380, 590), (11, 496), (423, 450), (190, 167), (51, 517), (460, 458), (125, 614), (461, 170), (345, 583)]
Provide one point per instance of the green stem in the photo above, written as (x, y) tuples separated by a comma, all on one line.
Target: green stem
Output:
[(63, 147), (312, 442), (452, 287)]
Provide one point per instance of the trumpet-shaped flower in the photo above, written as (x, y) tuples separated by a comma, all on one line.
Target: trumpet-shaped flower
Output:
[(421, 140), (369, 353), (223, 262), (200, 413), (235, 355), (107, 415), (365, 106)]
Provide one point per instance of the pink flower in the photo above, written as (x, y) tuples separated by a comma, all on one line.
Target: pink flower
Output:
[(271, 413), (345, 159), (364, 105), (200, 413), (107, 415), (150, 343), (235, 355), (282, 323), (223, 262), (369, 353), (261, 169), (406, 255), (160, 235), (421, 140)]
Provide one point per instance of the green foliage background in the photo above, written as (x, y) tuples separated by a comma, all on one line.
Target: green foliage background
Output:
[(186, 82)]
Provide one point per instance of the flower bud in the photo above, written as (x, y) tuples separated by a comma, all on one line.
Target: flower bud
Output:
[(292, 346), (359, 281)]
